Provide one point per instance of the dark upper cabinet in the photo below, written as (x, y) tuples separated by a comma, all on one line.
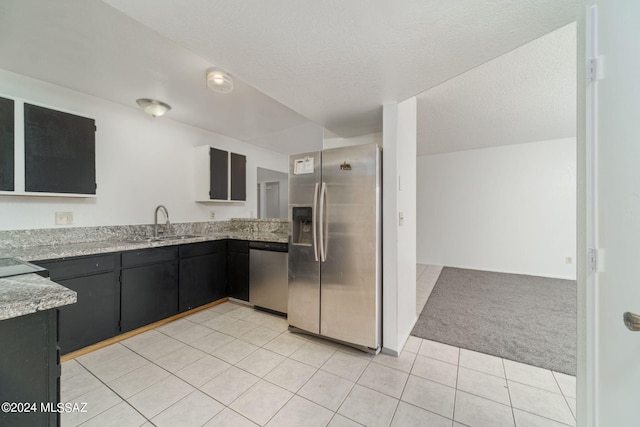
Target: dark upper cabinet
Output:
[(7, 144), (238, 177), (219, 174), (59, 151)]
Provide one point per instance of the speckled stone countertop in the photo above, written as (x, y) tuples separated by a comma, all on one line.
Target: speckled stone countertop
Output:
[(65, 250), (38, 245), (28, 293)]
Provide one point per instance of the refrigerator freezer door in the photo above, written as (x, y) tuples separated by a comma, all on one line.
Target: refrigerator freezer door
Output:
[(304, 268), (350, 307)]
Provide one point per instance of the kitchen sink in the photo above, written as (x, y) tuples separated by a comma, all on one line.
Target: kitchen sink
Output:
[(161, 238), (178, 237)]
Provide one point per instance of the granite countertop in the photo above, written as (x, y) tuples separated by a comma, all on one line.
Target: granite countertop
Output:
[(64, 250), (28, 293)]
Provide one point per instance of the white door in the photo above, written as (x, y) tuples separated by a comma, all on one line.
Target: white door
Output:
[(613, 360), (272, 199)]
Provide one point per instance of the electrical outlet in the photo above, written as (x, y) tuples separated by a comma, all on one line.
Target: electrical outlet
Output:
[(212, 215), (568, 260), (64, 218)]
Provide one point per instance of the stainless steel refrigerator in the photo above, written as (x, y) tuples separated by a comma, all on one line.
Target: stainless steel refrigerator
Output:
[(335, 250)]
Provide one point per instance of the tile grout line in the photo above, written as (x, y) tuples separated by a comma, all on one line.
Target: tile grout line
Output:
[(113, 391), (354, 382), (565, 397), (455, 395), (235, 365), (335, 350), (506, 381), (151, 362), (166, 370)]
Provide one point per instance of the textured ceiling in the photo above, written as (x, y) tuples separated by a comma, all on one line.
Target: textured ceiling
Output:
[(88, 46), (526, 95), (298, 65), (337, 62)]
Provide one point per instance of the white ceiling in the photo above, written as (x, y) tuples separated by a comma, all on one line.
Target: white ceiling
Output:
[(88, 46), (526, 95), (297, 64)]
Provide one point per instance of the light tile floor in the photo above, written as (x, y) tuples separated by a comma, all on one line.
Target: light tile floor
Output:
[(233, 366)]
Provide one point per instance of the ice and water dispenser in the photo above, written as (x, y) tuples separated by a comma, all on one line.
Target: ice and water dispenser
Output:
[(302, 221)]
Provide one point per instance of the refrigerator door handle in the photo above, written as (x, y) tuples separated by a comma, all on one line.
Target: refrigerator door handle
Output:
[(315, 235), (323, 242)]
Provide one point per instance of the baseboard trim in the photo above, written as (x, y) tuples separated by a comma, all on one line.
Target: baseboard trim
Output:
[(118, 338)]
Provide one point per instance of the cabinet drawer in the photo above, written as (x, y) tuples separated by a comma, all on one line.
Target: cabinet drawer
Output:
[(238, 246), (201, 248), (149, 256), (80, 266)]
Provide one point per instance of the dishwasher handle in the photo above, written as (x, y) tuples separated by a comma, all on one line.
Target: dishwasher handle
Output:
[(269, 246)]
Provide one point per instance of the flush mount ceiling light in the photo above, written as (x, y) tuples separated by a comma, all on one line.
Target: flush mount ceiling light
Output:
[(153, 107), (219, 81)]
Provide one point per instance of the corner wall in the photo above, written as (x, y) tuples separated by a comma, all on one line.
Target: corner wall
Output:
[(141, 162), (509, 209), (399, 235)]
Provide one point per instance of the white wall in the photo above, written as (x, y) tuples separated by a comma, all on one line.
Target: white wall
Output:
[(399, 237), (371, 138), (141, 162), (508, 209)]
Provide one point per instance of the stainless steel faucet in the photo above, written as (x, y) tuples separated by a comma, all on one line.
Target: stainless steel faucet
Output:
[(155, 224)]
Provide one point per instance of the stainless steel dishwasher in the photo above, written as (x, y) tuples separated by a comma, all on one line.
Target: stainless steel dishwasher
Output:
[(268, 275)]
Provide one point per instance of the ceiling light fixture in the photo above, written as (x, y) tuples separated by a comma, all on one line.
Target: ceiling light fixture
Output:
[(153, 107), (219, 81)]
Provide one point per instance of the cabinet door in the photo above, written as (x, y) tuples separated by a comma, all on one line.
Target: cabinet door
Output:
[(201, 280), (238, 275), (7, 144), (219, 174), (148, 293), (60, 151), (28, 367), (94, 317), (238, 177)]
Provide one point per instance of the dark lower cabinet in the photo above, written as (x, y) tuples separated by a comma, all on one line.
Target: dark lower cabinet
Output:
[(119, 292), (148, 286), (203, 274), (94, 317), (238, 269), (29, 370)]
